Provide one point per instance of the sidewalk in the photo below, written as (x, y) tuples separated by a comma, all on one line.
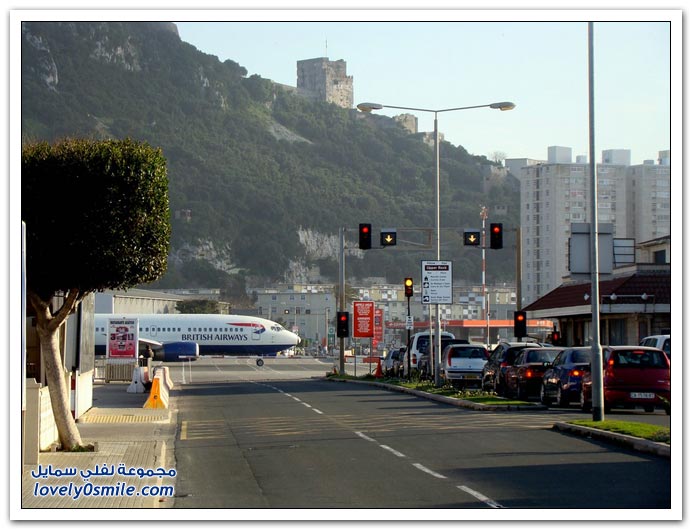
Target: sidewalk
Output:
[(133, 465)]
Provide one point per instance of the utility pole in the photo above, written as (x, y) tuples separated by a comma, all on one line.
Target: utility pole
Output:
[(484, 216)]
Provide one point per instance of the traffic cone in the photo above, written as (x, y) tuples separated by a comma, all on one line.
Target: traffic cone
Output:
[(378, 370)]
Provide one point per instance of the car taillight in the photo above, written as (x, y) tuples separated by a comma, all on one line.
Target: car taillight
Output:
[(449, 360), (575, 373), (503, 365), (413, 359), (529, 373)]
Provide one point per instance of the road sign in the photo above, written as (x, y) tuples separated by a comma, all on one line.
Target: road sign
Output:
[(472, 237), (409, 322), (436, 282), (388, 237), (363, 320)]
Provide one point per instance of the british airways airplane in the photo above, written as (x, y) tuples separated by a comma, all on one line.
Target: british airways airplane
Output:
[(175, 334)]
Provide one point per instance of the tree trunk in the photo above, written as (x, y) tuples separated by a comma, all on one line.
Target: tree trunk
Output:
[(48, 328)]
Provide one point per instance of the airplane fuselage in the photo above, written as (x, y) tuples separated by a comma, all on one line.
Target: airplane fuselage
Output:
[(215, 334)]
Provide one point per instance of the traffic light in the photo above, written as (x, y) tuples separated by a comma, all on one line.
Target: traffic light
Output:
[(472, 237), (555, 338), (495, 235), (520, 324), (364, 236), (342, 324), (408, 287), (388, 237)]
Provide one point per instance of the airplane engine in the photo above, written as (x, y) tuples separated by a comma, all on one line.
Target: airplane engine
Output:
[(178, 351)]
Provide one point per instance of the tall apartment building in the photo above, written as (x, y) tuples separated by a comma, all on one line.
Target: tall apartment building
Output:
[(634, 199), (325, 80)]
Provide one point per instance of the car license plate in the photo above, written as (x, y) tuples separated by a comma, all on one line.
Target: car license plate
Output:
[(642, 395), (471, 376)]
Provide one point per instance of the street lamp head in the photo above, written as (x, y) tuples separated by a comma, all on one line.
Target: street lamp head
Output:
[(368, 107), (503, 105)]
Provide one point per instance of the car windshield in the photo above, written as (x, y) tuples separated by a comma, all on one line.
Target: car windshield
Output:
[(539, 356), (467, 353), (581, 356), (637, 359)]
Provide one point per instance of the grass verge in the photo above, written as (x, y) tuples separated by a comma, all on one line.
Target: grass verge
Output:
[(654, 433), (475, 395)]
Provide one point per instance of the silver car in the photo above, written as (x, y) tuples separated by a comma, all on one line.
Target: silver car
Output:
[(462, 364)]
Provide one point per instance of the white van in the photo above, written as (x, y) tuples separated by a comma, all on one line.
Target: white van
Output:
[(662, 342), (417, 345)]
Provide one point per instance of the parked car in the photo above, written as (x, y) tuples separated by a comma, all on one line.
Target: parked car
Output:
[(462, 364), (562, 381), (523, 378), (662, 342), (504, 354), (417, 346), (633, 376), (424, 361), (392, 362)]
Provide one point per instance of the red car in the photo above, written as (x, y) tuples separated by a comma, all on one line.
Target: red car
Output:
[(523, 378), (633, 376)]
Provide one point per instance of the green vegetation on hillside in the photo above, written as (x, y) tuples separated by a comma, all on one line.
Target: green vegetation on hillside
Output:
[(247, 191)]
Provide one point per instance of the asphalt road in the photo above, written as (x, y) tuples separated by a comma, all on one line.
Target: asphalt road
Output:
[(277, 436)]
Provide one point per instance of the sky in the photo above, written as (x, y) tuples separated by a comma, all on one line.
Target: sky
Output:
[(541, 66)]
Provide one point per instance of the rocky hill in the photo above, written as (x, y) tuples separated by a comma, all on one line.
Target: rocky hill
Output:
[(261, 179)]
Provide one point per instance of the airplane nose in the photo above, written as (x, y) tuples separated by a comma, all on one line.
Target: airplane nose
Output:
[(295, 338)]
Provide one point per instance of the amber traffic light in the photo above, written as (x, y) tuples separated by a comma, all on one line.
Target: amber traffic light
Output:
[(408, 287)]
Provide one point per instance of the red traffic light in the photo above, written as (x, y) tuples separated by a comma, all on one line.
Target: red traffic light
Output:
[(364, 236), (520, 317), (495, 235)]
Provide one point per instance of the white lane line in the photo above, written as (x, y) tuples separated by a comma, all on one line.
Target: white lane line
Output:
[(318, 411), (428, 471), (306, 404), (297, 399), (393, 451), (365, 437), (480, 497)]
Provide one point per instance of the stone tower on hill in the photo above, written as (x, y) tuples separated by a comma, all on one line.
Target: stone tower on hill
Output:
[(325, 80)]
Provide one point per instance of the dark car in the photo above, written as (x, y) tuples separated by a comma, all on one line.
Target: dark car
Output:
[(562, 381), (424, 360), (523, 378), (633, 376), (504, 354)]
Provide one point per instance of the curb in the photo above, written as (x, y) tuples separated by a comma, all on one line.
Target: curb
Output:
[(456, 402), (632, 442)]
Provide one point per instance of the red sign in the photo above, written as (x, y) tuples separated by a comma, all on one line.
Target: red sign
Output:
[(379, 328), (363, 320), (123, 338)]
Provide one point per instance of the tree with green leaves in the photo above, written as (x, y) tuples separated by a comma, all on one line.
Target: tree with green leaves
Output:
[(97, 217)]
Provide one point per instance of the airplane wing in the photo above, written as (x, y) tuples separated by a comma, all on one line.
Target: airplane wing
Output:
[(150, 342)]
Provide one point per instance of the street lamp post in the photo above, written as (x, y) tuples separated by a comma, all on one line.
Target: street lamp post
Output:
[(435, 360)]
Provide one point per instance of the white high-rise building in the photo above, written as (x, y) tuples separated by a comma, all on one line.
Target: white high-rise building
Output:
[(634, 199)]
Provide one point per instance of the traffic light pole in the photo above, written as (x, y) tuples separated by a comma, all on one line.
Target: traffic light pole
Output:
[(342, 292)]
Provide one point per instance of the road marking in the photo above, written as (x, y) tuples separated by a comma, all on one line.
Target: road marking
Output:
[(393, 451), (318, 411), (306, 404), (480, 497), (365, 437), (428, 471)]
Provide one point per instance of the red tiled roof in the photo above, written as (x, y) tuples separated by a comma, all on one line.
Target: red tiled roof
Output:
[(655, 284)]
